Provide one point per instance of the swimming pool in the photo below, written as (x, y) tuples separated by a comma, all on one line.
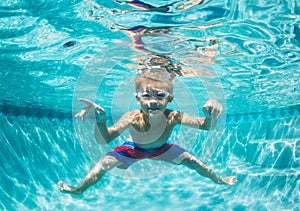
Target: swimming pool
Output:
[(246, 55)]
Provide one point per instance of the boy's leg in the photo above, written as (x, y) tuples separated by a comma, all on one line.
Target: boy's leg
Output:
[(195, 163), (96, 173)]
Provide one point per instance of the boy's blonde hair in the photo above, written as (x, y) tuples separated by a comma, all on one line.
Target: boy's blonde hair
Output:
[(155, 77)]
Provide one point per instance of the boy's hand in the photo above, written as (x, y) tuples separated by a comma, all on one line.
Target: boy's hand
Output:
[(92, 108), (212, 108)]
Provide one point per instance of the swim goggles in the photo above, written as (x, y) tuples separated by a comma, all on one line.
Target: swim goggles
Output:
[(160, 95)]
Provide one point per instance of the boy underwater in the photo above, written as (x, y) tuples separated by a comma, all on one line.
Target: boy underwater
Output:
[(150, 128)]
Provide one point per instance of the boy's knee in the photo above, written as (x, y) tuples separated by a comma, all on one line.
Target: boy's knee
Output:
[(191, 161), (108, 162)]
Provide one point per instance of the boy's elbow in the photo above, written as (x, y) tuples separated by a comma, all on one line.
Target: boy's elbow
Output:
[(102, 141), (210, 127), (210, 124), (207, 127)]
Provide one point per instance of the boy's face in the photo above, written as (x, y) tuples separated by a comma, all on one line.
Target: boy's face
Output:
[(153, 98)]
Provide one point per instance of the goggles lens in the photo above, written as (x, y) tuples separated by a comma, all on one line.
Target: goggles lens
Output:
[(160, 95)]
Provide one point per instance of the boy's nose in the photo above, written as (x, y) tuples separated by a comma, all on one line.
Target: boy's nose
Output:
[(152, 102)]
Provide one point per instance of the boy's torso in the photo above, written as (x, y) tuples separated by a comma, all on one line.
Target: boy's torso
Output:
[(149, 134)]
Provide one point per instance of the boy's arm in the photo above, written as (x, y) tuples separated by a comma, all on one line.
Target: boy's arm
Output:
[(204, 123), (212, 110), (105, 135)]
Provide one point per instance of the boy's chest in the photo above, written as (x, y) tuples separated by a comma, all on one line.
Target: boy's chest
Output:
[(151, 133)]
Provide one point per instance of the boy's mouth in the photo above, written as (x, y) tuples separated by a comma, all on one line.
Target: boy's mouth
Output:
[(153, 109)]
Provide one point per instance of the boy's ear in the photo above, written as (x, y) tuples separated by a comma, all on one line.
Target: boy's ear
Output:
[(170, 98), (137, 99)]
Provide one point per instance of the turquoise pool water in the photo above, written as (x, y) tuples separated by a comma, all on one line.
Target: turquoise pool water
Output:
[(244, 54)]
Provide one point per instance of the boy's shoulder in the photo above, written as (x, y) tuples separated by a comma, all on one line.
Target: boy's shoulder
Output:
[(132, 114), (173, 115), (172, 112)]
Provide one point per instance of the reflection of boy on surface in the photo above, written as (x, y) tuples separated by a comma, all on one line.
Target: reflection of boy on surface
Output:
[(150, 128), (179, 5), (154, 59)]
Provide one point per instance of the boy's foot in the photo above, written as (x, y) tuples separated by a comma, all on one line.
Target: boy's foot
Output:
[(228, 180), (67, 189)]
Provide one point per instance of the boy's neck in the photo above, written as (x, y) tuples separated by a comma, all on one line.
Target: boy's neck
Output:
[(157, 118)]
